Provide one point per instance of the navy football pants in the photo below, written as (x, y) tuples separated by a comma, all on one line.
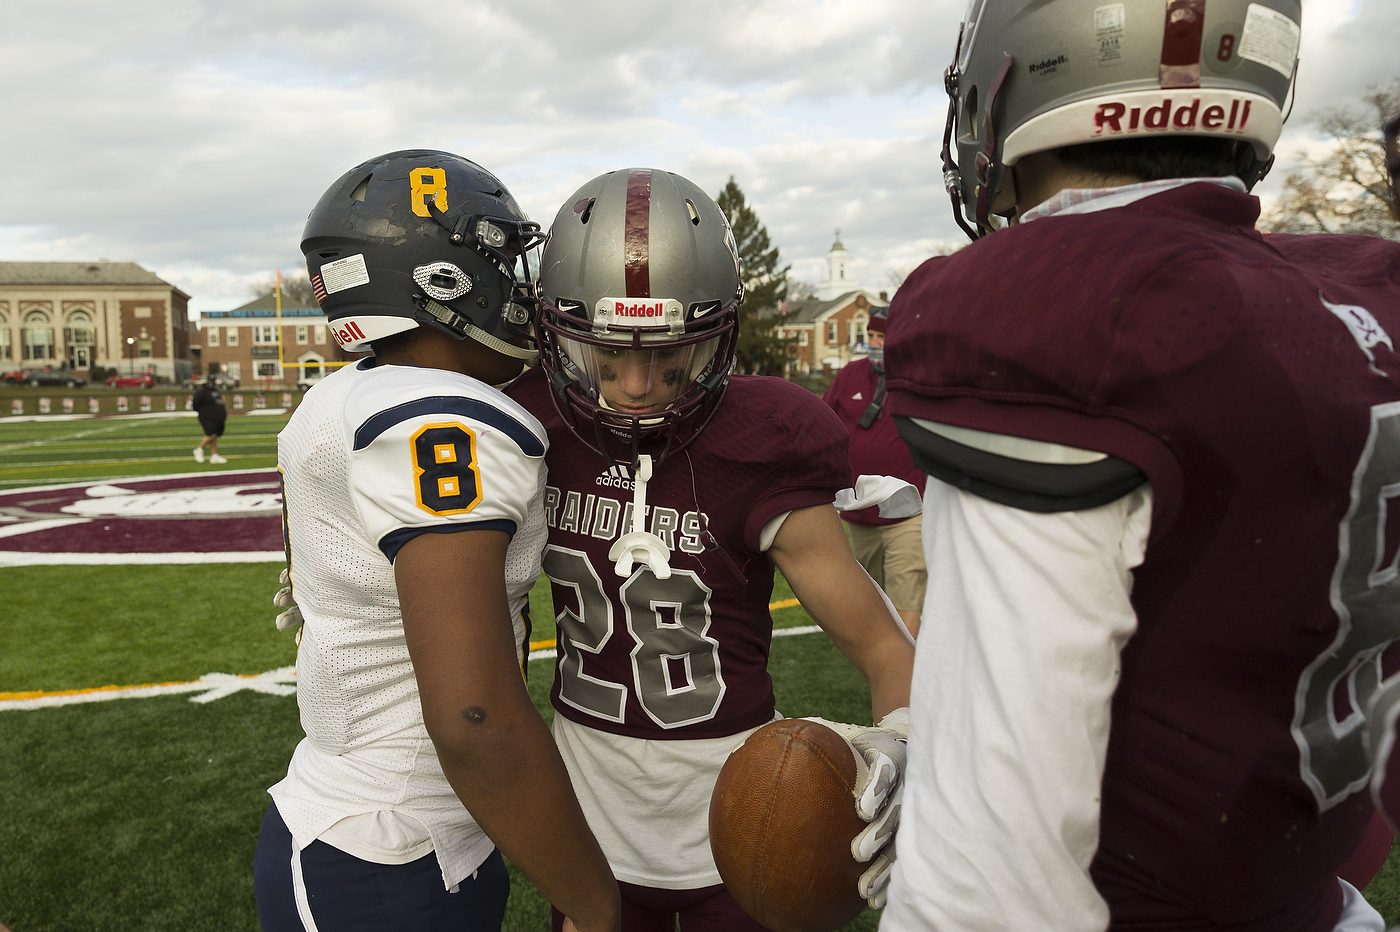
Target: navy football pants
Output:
[(650, 909), (346, 894)]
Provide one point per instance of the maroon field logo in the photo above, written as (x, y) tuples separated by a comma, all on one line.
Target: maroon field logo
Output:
[(230, 517)]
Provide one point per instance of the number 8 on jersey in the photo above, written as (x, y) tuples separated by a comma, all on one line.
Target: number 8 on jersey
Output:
[(444, 462)]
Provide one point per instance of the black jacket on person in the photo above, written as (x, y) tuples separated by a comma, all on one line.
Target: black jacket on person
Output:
[(209, 402)]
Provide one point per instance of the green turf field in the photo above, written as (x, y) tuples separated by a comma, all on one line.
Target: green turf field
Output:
[(39, 452), (142, 814)]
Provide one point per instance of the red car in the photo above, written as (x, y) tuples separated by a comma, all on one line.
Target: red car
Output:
[(145, 380)]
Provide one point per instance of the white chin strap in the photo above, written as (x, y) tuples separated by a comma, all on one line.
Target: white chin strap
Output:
[(531, 356), (637, 546)]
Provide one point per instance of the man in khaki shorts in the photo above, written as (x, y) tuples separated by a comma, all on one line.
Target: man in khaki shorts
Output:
[(890, 549)]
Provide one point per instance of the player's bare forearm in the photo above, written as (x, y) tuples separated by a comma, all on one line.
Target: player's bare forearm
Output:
[(812, 551), (493, 745), (548, 839)]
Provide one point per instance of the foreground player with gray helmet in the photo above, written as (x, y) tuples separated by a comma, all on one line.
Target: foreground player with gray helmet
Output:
[(414, 526), (1159, 445), (675, 488)]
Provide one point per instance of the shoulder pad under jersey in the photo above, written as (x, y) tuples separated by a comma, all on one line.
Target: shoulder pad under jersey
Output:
[(1031, 475)]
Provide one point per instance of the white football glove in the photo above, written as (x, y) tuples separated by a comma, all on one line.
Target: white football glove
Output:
[(283, 599), (879, 795)]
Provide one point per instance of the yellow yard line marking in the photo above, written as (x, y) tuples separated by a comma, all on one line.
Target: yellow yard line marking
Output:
[(39, 693), (115, 692)]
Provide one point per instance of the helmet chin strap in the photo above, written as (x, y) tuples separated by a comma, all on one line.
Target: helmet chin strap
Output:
[(637, 546), (459, 323)]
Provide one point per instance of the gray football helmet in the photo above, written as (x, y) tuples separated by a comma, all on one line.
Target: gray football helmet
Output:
[(1033, 75), (640, 280)]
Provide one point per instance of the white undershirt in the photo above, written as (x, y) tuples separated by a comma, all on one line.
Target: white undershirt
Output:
[(1010, 714)]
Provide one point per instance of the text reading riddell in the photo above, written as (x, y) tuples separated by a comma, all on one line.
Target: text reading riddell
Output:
[(647, 309), (1118, 117), (349, 333)]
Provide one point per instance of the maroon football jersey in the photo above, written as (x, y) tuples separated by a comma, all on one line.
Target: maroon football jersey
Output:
[(876, 450), (1254, 380), (684, 657)]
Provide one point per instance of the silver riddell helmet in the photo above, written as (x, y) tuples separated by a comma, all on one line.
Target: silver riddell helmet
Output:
[(1033, 75), (639, 284)]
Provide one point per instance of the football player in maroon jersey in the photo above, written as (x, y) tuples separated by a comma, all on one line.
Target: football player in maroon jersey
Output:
[(1384, 714), (890, 549), (1163, 451), (673, 492)]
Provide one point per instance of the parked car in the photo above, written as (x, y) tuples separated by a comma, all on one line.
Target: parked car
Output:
[(222, 382), (51, 376), (16, 377), (144, 380)]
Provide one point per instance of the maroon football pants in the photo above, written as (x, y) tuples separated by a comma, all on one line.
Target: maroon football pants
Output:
[(649, 909)]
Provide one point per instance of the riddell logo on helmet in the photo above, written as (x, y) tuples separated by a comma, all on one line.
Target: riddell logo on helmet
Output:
[(639, 309), (1115, 117), (350, 333)]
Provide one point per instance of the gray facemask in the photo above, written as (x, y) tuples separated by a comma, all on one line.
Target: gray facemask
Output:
[(877, 356)]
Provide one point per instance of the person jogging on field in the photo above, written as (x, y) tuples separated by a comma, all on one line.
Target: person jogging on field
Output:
[(208, 403)]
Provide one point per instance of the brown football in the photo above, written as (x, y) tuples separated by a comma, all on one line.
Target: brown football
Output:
[(781, 822)]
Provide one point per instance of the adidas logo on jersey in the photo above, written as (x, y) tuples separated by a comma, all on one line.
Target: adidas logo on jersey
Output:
[(617, 478)]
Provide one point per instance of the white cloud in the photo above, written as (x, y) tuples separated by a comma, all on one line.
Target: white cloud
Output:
[(194, 137)]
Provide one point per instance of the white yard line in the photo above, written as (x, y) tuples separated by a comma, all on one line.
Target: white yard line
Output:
[(35, 558), (210, 686), (112, 480)]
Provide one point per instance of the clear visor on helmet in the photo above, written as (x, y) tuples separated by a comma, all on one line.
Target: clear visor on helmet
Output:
[(642, 380)]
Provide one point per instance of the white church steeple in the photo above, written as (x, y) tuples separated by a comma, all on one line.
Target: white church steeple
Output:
[(838, 280)]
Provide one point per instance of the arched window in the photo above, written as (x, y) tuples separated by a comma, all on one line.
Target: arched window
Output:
[(37, 336), (5, 348), (79, 331)]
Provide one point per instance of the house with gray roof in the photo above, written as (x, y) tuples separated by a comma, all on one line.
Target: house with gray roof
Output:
[(247, 344), (77, 315), (830, 328)]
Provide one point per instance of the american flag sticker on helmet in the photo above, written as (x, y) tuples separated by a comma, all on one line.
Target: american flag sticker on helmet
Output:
[(317, 288)]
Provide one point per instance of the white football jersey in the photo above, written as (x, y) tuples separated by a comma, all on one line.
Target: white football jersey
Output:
[(373, 457)]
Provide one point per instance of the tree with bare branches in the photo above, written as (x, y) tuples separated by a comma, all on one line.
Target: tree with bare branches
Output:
[(296, 290), (1347, 189)]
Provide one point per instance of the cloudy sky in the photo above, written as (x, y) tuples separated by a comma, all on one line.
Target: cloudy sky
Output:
[(194, 137)]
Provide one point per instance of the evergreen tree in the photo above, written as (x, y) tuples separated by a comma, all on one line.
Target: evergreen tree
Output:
[(761, 351)]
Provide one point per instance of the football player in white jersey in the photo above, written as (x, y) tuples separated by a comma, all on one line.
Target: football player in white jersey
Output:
[(414, 528)]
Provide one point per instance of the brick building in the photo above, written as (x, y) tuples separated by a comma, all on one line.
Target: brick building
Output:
[(243, 344), (830, 328), (77, 315)]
